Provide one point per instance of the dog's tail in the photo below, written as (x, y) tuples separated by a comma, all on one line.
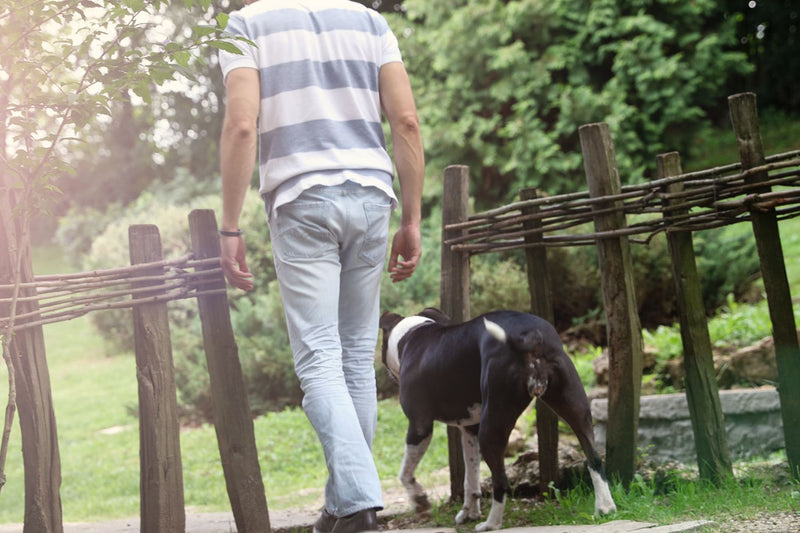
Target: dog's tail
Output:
[(525, 341)]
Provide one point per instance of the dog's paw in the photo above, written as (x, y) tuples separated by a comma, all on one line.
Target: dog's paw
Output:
[(605, 508), (421, 504), (466, 515), (487, 526)]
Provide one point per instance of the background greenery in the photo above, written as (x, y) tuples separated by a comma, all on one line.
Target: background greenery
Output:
[(505, 97)]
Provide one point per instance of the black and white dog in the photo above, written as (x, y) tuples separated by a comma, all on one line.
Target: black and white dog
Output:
[(480, 376)]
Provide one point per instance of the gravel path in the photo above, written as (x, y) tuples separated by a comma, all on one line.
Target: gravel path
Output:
[(786, 522)]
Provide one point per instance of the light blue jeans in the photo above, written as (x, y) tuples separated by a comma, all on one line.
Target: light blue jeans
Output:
[(329, 247)]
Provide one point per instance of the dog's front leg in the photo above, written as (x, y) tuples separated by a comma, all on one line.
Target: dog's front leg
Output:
[(472, 466), (411, 458)]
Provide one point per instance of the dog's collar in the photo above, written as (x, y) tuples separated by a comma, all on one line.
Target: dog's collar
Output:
[(404, 326), (398, 332)]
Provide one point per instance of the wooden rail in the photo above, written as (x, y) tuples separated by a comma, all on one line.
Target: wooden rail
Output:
[(758, 189), (146, 287)]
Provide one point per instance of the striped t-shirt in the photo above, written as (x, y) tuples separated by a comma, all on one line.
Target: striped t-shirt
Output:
[(320, 117)]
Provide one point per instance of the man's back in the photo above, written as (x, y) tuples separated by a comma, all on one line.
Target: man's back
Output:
[(319, 63)]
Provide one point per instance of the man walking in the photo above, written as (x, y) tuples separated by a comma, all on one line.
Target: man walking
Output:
[(308, 97)]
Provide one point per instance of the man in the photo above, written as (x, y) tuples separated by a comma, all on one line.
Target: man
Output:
[(308, 97)]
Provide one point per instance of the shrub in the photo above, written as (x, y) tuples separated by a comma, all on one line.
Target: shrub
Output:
[(498, 281), (727, 264)]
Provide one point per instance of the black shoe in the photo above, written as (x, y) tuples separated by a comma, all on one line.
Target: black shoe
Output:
[(325, 522), (365, 520)]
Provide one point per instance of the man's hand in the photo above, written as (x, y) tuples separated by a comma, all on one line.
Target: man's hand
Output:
[(406, 244), (233, 263)]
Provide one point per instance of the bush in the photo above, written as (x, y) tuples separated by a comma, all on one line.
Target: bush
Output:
[(498, 281), (727, 264), (110, 249)]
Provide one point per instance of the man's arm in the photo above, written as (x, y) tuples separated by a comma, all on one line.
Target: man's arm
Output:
[(398, 105), (238, 148)]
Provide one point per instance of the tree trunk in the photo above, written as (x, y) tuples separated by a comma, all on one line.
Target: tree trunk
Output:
[(34, 399)]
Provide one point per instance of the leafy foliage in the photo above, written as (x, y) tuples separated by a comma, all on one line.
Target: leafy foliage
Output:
[(503, 86), (506, 98), (70, 74), (768, 34)]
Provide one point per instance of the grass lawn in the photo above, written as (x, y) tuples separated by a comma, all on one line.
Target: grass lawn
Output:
[(95, 399)]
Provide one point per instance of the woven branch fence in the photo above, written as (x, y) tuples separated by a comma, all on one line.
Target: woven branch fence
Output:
[(611, 218), (716, 197), (145, 287), (62, 297)]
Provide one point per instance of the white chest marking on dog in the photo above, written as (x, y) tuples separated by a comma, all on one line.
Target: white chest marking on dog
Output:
[(473, 417), (398, 332), (495, 330)]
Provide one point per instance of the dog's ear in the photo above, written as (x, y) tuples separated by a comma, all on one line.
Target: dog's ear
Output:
[(436, 315), (389, 320)]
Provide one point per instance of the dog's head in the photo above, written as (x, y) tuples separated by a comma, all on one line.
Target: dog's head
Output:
[(390, 355), (529, 345)]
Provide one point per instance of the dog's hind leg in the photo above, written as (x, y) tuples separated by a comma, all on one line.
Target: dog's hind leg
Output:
[(472, 466), (572, 405), (416, 446), (603, 501)]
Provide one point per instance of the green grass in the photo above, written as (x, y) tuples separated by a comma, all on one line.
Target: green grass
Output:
[(673, 498), (715, 147), (95, 399)]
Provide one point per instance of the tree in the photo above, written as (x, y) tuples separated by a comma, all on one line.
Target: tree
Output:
[(503, 85), (145, 143), (385, 6), (769, 33), (63, 63)]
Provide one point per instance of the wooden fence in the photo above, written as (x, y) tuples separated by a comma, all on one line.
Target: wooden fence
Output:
[(675, 204), (678, 202), (146, 287)]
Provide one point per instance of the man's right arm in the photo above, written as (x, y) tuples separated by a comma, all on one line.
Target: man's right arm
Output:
[(238, 147), (398, 105)]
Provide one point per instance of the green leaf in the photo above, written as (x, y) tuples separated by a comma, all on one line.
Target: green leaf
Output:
[(182, 57), (204, 30), (227, 46), (142, 90), (160, 74), (222, 20), (134, 5)]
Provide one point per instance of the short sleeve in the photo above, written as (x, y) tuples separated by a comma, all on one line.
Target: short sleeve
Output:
[(390, 49), (229, 61)]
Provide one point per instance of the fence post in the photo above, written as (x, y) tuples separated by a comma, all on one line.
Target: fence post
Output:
[(541, 305), (233, 420), (702, 392), (454, 293), (619, 299), (34, 397), (161, 474), (744, 117)]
